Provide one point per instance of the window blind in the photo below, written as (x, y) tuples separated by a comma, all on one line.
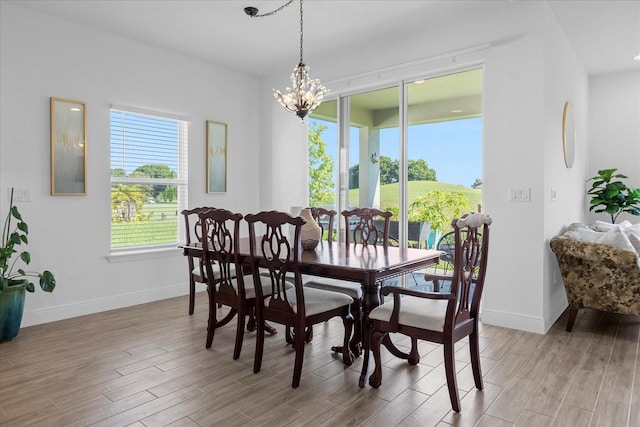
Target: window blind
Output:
[(149, 178)]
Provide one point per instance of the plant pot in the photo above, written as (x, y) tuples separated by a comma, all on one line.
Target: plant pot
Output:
[(11, 308)]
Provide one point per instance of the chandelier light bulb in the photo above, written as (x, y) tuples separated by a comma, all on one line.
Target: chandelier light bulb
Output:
[(304, 95)]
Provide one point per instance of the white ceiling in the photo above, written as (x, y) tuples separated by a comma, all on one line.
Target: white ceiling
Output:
[(605, 34)]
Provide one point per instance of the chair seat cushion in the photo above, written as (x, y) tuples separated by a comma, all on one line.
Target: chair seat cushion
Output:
[(414, 311), (216, 271), (316, 300), (353, 289), (249, 288)]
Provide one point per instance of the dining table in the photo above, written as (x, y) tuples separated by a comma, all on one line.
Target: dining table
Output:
[(368, 265)]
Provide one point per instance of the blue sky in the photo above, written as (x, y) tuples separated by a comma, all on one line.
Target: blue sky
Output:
[(445, 146)]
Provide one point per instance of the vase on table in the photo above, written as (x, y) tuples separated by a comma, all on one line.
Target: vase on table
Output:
[(311, 232)]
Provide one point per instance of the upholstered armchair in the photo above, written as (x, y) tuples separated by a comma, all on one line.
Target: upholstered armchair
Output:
[(595, 275)]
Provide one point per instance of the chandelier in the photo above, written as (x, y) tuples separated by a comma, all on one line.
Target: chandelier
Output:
[(305, 94)]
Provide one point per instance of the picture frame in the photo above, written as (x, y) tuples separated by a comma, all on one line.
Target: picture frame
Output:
[(68, 147), (568, 134), (216, 157)]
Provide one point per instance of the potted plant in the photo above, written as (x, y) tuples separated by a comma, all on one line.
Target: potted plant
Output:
[(613, 196), (14, 280)]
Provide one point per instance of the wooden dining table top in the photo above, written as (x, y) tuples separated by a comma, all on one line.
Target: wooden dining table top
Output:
[(355, 262)]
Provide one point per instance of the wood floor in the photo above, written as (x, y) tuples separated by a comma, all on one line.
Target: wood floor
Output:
[(148, 366)]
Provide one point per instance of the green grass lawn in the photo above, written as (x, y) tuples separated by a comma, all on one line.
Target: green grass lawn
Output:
[(160, 227), (389, 194)]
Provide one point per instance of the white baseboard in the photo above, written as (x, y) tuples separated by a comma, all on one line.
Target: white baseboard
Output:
[(512, 320), (52, 314), (524, 323)]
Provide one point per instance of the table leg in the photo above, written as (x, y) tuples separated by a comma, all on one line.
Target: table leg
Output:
[(370, 300), (251, 325), (269, 329)]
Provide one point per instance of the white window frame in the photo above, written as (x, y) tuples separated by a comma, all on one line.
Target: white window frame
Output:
[(181, 182)]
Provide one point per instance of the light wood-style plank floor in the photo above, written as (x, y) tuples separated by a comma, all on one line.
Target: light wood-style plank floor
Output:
[(148, 366)]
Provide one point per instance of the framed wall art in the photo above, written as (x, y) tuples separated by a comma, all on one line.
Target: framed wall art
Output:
[(68, 147), (216, 157), (568, 134)]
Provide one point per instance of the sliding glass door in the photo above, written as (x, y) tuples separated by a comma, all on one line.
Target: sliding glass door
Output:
[(414, 148)]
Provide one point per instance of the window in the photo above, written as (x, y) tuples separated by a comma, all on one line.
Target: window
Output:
[(148, 178), (414, 148)]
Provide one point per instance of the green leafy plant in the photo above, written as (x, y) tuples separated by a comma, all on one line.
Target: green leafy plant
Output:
[(613, 196), (438, 208), (12, 257)]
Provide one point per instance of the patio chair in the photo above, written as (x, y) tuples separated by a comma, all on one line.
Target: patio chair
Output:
[(443, 272), (443, 318)]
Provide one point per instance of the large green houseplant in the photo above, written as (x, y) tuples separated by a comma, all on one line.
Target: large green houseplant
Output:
[(14, 279), (610, 195)]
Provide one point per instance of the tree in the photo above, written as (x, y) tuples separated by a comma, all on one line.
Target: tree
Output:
[(126, 201), (170, 193), (419, 170), (389, 170), (118, 172), (154, 171), (477, 183), (438, 208), (321, 185)]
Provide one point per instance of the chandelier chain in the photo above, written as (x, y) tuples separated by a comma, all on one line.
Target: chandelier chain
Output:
[(273, 12), (305, 94), (301, 33)]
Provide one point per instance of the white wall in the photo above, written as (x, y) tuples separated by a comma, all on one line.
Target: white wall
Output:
[(42, 56), (614, 133), (565, 80), (530, 70)]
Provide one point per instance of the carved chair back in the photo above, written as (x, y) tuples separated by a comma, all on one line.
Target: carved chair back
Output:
[(273, 252), (360, 226), (325, 218)]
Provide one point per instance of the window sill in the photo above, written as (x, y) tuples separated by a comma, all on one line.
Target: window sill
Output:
[(144, 254)]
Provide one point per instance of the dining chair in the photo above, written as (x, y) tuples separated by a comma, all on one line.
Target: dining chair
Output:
[(220, 235), (298, 307), (325, 218), (360, 228), (443, 318), (193, 231), (443, 271)]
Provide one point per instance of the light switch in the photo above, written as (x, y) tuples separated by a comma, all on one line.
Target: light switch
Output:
[(21, 195), (554, 194), (519, 194)]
